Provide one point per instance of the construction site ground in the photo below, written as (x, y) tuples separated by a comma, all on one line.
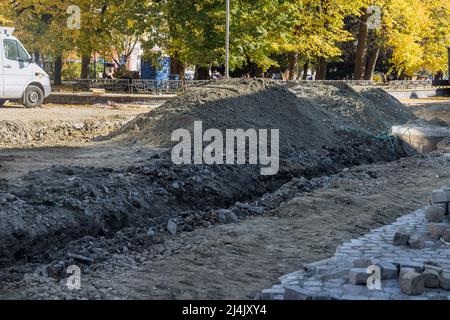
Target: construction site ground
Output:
[(291, 220)]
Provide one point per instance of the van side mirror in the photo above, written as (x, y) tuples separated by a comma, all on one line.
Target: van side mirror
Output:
[(32, 59)]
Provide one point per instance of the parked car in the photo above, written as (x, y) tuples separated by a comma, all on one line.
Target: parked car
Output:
[(20, 78)]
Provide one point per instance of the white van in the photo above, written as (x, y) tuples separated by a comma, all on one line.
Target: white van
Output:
[(20, 78)]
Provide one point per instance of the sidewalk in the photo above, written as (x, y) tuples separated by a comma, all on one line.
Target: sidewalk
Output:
[(328, 279), (89, 98)]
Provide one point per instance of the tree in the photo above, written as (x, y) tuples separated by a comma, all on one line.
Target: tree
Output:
[(313, 30), (415, 32), (194, 32), (124, 22), (106, 26)]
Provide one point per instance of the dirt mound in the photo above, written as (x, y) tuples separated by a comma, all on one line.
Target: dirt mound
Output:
[(367, 107), (239, 104)]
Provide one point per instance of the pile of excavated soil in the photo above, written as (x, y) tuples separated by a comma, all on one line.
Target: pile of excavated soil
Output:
[(238, 104), (308, 116), (367, 107)]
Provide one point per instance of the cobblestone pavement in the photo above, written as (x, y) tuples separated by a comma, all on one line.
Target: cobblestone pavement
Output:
[(328, 279)]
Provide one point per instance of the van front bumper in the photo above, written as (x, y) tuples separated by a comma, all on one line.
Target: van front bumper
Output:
[(47, 90)]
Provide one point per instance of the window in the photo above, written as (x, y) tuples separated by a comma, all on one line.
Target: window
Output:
[(14, 51), (23, 54)]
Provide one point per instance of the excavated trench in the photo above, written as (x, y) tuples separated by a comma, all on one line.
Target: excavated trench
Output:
[(49, 208)]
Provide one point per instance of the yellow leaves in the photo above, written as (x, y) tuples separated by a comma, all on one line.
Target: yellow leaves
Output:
[(317, 27), (415, 30)]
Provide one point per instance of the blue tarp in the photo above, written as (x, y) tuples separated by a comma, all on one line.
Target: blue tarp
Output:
[(151, 72)]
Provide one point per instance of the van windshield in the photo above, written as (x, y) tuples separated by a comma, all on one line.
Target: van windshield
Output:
[(14, 50)]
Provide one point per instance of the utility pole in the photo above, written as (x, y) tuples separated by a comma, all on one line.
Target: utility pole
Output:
[(227, 42)]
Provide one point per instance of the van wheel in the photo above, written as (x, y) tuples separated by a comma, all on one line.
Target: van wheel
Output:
[(33, 97), (2, 103)]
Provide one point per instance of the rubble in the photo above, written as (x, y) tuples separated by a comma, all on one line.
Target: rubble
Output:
[(358, 276), (446, 235), (445, 280), (404, 270), (362, 263), (388, 270), (412, 283), (172, 227), (417, 241), (435, 214), (431, 278), (401, 238), (227, 216), (437, 230)]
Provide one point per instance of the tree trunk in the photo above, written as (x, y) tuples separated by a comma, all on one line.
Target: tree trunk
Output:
[(321, 69), (361, 49), (57, 73), (85, 62), (177, 67), (202, 73), (439, 75), (37, 59), (305, 71), (402, 76), (259, 73), (371, 63), (292, 69)]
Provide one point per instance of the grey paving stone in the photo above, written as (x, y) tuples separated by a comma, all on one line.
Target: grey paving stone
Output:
[(358, 276), (434, 267), (446, 236), (439, 297), (270, 294), (362, 263), (445, 280), (440, 196), (412, 283), (296, 293), (417, 241), (437, 230), (350, 297), (435, 214), (418, 298), (388, 270), (401, 238), (313, 283), (418, 267), (380, 294), (431, 278)]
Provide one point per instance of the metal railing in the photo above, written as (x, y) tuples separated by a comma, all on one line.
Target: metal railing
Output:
[(110, 85), (137, 85), (157, 86), (161, 87)]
